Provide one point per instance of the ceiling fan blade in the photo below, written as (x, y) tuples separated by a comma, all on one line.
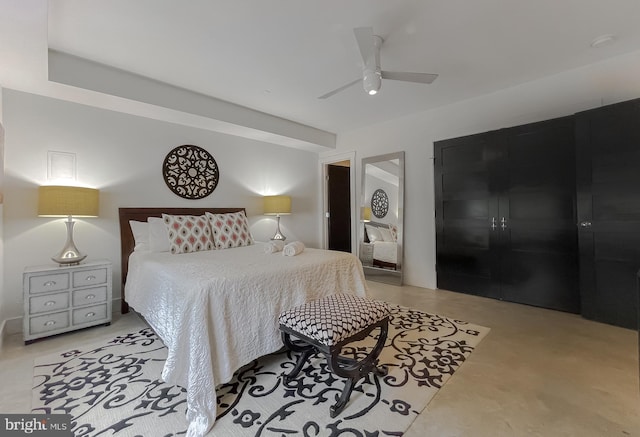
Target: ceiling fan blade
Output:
[(409, 77), (337, 90), (364, 37)]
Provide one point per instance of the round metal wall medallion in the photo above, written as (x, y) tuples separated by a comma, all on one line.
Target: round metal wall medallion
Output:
[(379, 203), (190, 172)]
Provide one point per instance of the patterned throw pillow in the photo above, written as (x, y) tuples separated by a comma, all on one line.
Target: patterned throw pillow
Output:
[(386, 235), (188, 233), (394, 231), (230, 229)]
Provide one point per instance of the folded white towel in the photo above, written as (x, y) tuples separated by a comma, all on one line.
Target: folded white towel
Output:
[(274, 246), (294, 248)]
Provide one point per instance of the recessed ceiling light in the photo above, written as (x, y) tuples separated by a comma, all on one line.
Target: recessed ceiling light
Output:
[(602, 41)]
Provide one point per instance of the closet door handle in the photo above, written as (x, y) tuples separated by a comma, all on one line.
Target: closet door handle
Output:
[(493, 224), (503, 223), (585, 224)]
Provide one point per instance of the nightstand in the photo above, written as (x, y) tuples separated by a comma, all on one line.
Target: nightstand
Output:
[(62, 299), (366, 254)]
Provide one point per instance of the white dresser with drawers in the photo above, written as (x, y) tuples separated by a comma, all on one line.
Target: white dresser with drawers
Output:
[(61, 299), (366, 254)]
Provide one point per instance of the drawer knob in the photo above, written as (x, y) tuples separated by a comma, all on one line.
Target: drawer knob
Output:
[(91, 314), (50, 323), (49, 283), (90, 278), (90, 296), (50, 303)]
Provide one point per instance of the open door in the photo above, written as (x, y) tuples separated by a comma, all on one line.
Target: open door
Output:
[(337, 173), (339, 207)]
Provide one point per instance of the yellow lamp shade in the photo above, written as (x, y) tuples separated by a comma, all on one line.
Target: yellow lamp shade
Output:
[(63, 201), (366, 214), (277, 205)]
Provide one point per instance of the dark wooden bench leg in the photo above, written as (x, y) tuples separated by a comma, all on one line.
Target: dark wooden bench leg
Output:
[(337, 408), (354, 370), (306, 350), (350, 369)]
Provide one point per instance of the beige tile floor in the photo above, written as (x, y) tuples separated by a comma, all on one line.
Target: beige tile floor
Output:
[(537, 373)]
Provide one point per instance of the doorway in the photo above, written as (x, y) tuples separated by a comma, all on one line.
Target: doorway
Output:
[(338, 176), (339, 207)]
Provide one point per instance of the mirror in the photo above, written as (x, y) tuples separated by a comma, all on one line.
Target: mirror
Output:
[(381, 217)]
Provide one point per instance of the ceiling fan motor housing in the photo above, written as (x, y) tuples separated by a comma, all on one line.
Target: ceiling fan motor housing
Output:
[(372, 80)]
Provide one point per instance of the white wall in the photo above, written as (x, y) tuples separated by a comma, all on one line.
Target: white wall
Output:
[(604, 83), (122, 155)]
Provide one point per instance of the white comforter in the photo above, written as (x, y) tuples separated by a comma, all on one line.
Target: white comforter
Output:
[(218, 310), (386, 251)]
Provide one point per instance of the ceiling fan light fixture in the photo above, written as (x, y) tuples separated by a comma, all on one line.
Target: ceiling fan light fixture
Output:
[(372, 81), (602, 41)]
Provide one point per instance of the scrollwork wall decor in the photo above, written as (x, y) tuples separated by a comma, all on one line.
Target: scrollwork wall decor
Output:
[(190, 172), (379, 203)]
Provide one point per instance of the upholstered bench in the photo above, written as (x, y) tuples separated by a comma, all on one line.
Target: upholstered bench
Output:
[(327, 325)]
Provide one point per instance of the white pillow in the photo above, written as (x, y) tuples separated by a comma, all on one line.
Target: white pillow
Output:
[(140, 232), (386, 235), (373, 233), (158, 235)]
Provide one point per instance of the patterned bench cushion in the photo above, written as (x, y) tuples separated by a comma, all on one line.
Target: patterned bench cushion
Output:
[(334, 318)]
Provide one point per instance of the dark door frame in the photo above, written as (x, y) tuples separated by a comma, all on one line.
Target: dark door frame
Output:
[(324, 200)]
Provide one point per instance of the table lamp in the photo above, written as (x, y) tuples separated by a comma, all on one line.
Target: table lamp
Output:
[(277, 205), (65, 201)]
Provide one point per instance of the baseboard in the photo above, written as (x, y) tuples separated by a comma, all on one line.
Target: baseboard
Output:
[(10, 327), (115, 306), (13, 326), (2, 335)]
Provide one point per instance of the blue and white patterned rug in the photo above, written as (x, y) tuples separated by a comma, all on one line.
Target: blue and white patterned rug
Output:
[(114, 388)]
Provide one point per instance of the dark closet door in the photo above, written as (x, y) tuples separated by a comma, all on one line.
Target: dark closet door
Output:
[(539, 258), (505, 215), (339, 208), (608, 150), (466, 202)]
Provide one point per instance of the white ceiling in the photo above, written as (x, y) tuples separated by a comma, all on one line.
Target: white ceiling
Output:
[(278, 56)]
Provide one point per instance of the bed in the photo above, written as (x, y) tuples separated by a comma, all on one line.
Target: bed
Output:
[(382, 238), (217, 310)]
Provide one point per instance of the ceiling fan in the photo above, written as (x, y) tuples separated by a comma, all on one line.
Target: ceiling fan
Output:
[(372, 74)]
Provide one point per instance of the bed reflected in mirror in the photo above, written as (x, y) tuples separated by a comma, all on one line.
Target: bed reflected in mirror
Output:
[(381, 217)]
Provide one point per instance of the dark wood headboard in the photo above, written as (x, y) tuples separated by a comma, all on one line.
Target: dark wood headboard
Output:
[(142, 214)]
